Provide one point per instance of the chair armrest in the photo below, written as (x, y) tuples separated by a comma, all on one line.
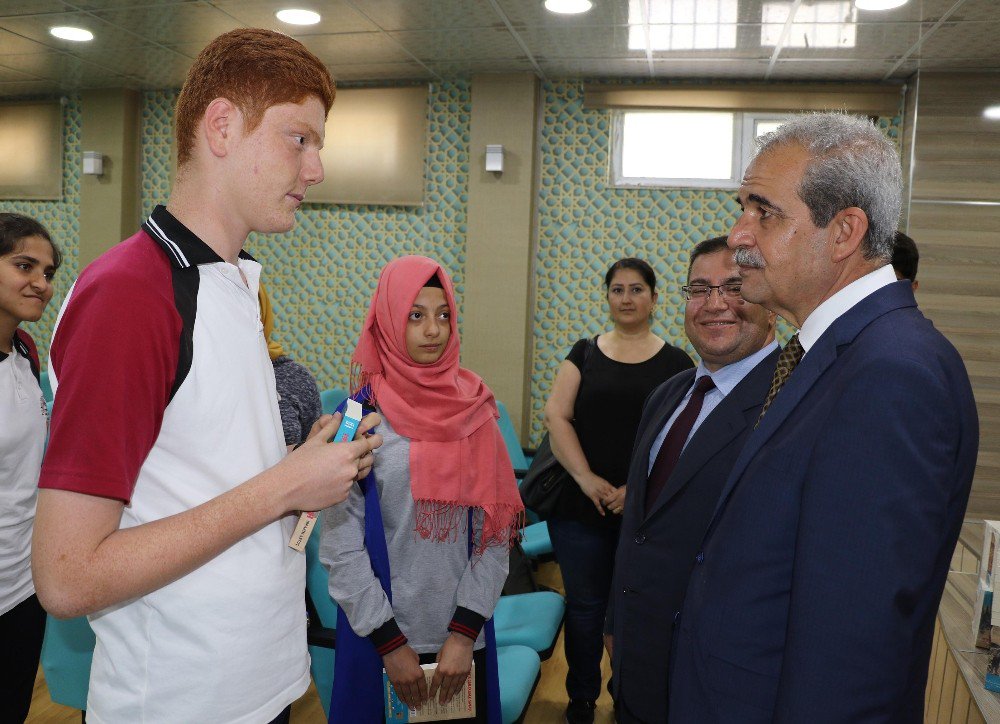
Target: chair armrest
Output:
[(316, 633), (321, 636)]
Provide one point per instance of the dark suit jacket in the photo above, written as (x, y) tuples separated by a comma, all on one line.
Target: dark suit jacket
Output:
[(820, 576), (656, 551)]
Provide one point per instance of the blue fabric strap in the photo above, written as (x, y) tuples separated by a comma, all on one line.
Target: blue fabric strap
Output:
[(357, 696)]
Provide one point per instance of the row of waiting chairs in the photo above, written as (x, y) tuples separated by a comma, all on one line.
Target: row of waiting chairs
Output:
[(526, 626)]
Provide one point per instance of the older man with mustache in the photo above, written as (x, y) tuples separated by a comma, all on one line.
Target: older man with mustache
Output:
[(816, 586)]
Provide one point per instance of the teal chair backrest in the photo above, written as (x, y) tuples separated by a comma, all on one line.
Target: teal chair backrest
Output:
[(46, 387), (331, 399), (510, 439), (322, 659), (67, 652)]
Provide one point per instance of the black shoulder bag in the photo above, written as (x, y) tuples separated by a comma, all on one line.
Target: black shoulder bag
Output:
[(544, 480)]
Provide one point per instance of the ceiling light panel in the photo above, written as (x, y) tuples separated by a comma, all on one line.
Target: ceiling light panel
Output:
[(68, 32), (298, 16), (876, 42), (568, 7), (337, 16), (879, 4), (682, 24), (825, 24)]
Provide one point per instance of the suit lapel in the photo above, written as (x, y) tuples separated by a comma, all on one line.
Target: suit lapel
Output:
[(639, 475), (823, 354), (727, 420)]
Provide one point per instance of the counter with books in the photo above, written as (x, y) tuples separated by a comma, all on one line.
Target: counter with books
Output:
[(956, 684)]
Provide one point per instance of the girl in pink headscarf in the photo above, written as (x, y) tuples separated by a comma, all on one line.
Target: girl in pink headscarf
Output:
[(443, 491)]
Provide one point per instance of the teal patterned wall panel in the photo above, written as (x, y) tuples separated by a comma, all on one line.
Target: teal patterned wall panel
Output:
[(585, 225), (321, 274), (157, 141), (62, 219)]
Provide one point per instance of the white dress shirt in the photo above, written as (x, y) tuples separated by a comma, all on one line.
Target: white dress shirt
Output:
[(725, 379), (836, 306)]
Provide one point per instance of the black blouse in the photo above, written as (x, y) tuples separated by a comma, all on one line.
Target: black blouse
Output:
[(606, 416)]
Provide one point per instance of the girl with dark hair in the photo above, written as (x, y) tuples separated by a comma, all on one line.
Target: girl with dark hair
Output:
[(592, 415), (418, 553), (28, 260)]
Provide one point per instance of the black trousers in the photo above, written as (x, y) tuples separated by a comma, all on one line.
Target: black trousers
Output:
[(624, 716), (21, 631), (284, 717)]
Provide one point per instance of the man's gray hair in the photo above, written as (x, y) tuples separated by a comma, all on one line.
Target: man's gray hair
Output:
[(852, 164)]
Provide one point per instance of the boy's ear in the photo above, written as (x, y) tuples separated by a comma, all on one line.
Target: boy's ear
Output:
[(219, 125)]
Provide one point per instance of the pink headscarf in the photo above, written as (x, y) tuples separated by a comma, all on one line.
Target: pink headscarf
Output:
[(458, 458)]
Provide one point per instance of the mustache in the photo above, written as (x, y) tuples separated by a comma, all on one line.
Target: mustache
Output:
[(744, 256)]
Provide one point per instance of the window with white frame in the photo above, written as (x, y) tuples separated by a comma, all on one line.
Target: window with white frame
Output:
[(686, 149)]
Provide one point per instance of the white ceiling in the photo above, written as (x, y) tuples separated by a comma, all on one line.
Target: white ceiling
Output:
[(151, 44)]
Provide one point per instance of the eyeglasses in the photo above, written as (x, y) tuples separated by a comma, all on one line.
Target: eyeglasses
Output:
[(703, 292)]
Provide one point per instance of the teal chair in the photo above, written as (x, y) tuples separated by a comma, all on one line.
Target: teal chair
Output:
[(514, 449), (43, 382), (535, 537), (535, 541), (520, 669), (519, 666), (331, 399), (46, 387), (322, 609), (530, 619), (67, 652)]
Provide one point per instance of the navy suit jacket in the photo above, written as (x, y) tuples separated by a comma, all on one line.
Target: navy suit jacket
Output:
[(817, 586), (656, 551)]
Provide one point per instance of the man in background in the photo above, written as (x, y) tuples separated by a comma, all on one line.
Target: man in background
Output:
[(905, 258), (167, 500), (816, 587), (693, 427)]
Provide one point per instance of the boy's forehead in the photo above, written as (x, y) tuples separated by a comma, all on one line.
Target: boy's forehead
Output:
[(308, 111)]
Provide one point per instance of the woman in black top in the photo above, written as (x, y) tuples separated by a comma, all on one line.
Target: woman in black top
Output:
[(592, 415)]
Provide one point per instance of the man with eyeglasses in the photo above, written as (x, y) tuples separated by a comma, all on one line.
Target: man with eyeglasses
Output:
[(692, 429)]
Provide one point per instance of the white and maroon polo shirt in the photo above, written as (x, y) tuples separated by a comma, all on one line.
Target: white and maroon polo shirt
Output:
[(165, 399)]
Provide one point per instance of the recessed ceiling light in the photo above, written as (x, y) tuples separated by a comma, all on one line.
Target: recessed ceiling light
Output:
[(70, 33), (992, 113), (568, 7), (298, 17), (878, 4)]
